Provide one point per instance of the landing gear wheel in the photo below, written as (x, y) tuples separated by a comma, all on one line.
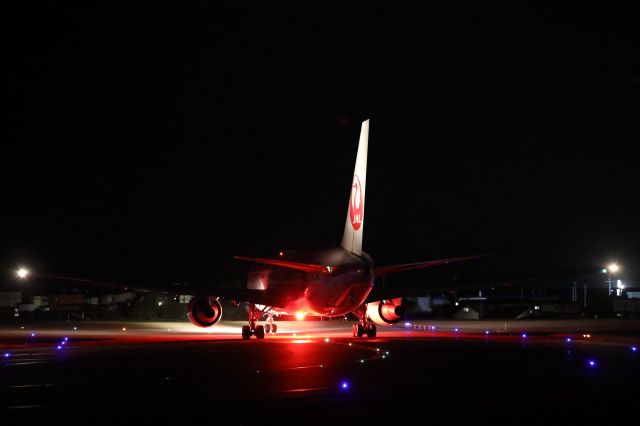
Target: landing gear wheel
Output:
[(270, 326), (364, 326), (358, 330), (246, 332), (371, 330), (259, 332)]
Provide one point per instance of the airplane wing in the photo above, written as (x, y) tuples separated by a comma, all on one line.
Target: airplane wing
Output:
[(305, 267), (267, 297), (384, 291), (383, 270)]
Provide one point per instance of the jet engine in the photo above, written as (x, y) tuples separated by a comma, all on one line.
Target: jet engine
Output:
[(204, 311), (386, 312)]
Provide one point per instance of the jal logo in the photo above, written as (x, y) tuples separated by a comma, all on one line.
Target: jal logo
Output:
[(356, 206)]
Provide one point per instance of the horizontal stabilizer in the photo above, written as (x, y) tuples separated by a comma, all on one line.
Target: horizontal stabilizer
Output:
[(305, 267), (383, 270)]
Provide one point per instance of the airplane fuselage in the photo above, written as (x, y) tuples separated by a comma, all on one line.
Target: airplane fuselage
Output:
[(328, 294)]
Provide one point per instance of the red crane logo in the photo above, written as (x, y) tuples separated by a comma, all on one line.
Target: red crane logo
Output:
[(356, 205)]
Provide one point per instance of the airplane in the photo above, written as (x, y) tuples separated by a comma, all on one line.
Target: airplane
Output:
[(329, 283)]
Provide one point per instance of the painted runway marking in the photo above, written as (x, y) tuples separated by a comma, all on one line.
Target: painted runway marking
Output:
[(25, 363), (22, 407), (42, 385), (302, 390)]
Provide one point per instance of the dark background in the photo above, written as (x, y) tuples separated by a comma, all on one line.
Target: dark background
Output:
[(153, 142)]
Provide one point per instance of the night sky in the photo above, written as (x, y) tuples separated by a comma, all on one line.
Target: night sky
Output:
[(155, 142)]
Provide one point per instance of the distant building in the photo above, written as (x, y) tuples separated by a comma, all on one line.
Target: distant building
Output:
[(10, 299), (110, 299)]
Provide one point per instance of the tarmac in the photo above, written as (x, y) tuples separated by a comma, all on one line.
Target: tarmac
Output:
[(312, 372)]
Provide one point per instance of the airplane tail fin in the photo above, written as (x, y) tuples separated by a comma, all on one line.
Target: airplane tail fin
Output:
[(354, 225)]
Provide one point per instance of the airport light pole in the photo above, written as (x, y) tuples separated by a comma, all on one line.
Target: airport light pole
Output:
[(609, 282), (612, 269)]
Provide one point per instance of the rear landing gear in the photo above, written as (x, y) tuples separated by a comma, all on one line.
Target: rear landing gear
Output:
[(363, 326), (270, 326), (253, 329), (246, 332), (370, 329), (259, 332), (358, 330)]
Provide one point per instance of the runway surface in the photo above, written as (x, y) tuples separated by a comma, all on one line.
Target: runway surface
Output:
[(518, 372)]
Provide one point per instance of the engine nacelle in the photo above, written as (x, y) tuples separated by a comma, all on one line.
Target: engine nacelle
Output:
[(386, 312), (204, 311)]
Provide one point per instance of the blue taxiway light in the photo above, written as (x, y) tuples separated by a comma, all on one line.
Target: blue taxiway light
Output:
[(59, 347), (344, 385), (456, 330), (33, 334), (524, 335), (634, 349), (591, 363), (486, 332), (568, 340), (6, 354)]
